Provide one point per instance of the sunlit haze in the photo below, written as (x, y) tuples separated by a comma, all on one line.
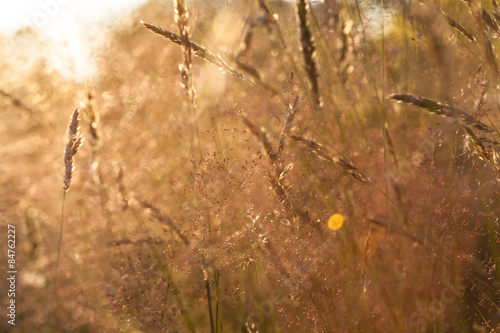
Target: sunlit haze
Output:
[(70, 29)]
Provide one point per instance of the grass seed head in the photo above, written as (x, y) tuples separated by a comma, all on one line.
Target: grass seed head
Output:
[(75, 141)]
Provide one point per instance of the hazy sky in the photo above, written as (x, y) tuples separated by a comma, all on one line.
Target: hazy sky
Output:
[(70, 26), (72, 29)]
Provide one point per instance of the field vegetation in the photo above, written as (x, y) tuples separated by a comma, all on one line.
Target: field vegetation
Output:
[(261, 166)]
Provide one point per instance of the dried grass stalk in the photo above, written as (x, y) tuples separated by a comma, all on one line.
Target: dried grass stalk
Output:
[(486, 44), (16, 102), (390, 145), (198, 50), (460, 28), (93, 116), (251, 23), (263, 5), (147, 240), (287, 125), (277, 178), (496, 10), (326, 154), (75, 141), (308, 49), (261, 134), (163, 218), (482, 98), (182, 19), (490, 21), (441, 109), (393, 227), (121, 187)]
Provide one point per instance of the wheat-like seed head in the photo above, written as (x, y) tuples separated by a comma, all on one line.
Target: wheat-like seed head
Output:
[(75, 141), (198, 50), (460, 28), (338, 159), (441, 109), (182, 18), (484, 20), (308, 50)]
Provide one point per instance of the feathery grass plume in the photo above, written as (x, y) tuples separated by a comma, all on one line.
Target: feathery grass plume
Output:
[(486, 44), (198, 50), (308, 49), (340, 160), (441, 109), (75, 141)]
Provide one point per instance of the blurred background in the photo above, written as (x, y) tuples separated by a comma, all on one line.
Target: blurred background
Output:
[(65, 33)]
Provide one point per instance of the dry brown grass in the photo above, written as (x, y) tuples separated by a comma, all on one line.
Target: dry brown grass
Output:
[(202, 201)]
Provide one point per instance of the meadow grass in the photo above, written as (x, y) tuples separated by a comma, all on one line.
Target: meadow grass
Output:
[(325, 168)]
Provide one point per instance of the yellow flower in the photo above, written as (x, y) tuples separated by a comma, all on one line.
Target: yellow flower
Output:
[(336, 221)]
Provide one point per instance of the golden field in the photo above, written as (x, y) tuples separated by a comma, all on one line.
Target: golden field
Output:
[(260, 166)]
